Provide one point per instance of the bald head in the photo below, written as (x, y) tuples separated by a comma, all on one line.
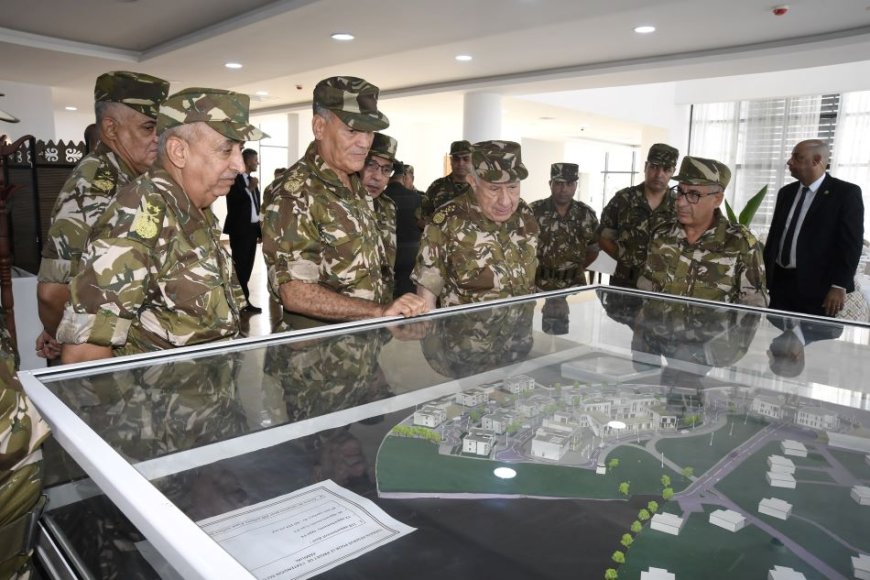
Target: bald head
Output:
[(809, 160)]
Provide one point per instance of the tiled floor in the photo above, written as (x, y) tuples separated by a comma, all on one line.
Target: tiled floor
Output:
[(258, 324)]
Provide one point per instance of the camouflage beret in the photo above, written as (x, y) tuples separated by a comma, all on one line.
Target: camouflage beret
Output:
[(224, 111), (700, 171), (567, 172), (460, 147), (384, 146), (353, 100), (140, 92), (498, 161), (664, 155)]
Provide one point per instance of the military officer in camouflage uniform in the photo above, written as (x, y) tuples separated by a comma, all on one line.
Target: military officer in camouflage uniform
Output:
[(154, 274), (126, 105), (321, 239), (630, 217), (22, 432), (450, 186), (483, 244), (375, 176), (702, 254), (568, 241)]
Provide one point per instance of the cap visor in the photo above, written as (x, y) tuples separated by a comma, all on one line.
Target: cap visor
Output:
[(362, 121)]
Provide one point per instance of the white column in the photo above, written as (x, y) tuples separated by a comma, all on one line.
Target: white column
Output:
[(481, 116)]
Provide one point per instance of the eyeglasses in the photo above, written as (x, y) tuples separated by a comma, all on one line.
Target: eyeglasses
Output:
[(386, 170), (693, 196)]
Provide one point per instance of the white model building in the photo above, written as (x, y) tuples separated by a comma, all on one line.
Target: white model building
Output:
[(861, 494), (498, 422), (728, 519), (778, 479), (478, 442), (784, 573), (667, 523), (552, 442), (794, 448), (429, 416), (861, 566), (780, 464), (775, 507), (817, 418), (657, 574), (767, 406), (472, 397), (518, 384)]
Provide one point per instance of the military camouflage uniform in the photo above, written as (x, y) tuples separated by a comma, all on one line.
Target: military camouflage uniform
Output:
[(94, 181), (154, 275), (385, 213), (628, 220), (465, 257), (441, 191), (22, 431), (82, 200), (563, 242), (725, 264), (316, 230)]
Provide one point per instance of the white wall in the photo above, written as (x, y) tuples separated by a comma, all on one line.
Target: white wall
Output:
[(70, 125), (32, 104)]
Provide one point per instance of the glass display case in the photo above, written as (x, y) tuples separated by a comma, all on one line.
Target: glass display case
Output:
[(596, 433)]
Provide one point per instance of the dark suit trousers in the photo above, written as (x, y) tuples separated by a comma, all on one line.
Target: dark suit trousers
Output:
[(244, 248), (785, 294)]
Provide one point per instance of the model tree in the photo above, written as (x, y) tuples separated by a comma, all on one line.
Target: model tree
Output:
[(688, 472), (666, 481), (624, 487), (613, 463), (626, 540), (618, 557), (611, 574), (636, 527), (652, 506), (643, 515), (667, 493)]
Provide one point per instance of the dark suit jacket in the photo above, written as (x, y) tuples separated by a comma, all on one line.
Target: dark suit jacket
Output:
[(238, 222), (829, 242)]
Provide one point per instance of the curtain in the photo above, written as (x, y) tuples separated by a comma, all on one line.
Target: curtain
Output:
[(851, 155)]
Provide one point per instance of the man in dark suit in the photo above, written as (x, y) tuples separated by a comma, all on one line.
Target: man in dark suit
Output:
[(243, 223), (815, 237)]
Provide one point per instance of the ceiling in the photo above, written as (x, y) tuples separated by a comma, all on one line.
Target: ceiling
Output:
[(407, 47)]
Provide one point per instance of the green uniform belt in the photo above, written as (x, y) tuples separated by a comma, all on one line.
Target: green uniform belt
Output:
[(18, 537), (554, 274)]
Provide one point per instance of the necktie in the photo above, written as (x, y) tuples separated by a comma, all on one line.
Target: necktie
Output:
[(785, 255)]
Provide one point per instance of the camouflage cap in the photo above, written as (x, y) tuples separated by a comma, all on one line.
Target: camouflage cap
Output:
[(664, 155), (567, 172), (384, 146), (140, 92), (700, 171), (460, 147), (224, 111), (498, 161), (353, 100)]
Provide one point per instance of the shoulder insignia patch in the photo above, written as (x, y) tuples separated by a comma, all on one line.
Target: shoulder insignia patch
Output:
[(439, 218), (293, 183), (145, 224)]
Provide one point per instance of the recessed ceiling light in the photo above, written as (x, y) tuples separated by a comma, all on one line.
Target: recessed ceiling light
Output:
[(463, 57), (644, 29), (233, 65), (342, 36), (262, 93), (71, 108)]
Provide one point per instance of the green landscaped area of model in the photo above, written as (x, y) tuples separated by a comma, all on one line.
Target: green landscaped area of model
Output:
[(812, 475), (829, 506), (855, 462), (415, 466), (696, 450), (703, 550)]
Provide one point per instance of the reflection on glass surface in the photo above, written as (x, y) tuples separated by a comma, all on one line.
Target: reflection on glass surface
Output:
[(650, 426)]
